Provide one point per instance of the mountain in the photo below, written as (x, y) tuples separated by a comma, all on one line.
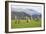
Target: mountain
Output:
[(19, 12), (33, 12), (27, 10)]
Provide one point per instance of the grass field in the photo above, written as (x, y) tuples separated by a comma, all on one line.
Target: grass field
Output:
[(25, 24)]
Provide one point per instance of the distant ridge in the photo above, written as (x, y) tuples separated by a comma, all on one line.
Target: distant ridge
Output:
[(27, 11)]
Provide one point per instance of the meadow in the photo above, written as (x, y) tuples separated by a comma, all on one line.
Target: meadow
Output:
[(25, 23)]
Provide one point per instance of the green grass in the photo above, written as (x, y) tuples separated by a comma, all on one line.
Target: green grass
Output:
[(25, 24)]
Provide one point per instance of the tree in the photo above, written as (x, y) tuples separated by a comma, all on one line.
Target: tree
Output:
[(27, 19)]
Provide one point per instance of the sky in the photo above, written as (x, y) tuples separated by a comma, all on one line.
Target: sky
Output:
[(21, 6), (27, 7)]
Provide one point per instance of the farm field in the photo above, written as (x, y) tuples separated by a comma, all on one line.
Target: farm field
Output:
[(25, 23)]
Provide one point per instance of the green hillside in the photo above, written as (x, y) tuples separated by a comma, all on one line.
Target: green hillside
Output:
[(25, 23)]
